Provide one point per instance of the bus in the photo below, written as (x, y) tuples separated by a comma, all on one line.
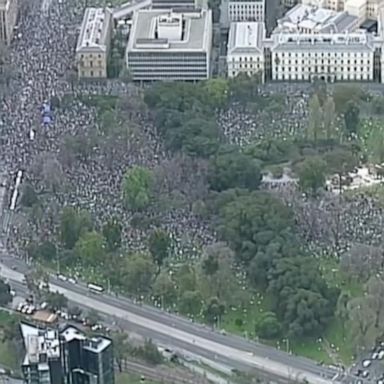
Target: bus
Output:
[(95, 288)]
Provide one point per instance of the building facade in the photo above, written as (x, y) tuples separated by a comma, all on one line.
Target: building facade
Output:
[(332, 57), (8, 19), (245, 10), (167, 45), (93, 43), (66, 356), (245, 49)]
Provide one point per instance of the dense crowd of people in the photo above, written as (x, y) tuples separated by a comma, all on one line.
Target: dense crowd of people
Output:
[(43, 54)]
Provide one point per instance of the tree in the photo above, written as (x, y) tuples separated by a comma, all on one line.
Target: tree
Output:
[(93, 317), (234, 170), (72, 224), (303, 300), (268, 326), (312, 175), (121, 348), (351, 117), (213, 311), (28, 196), (150, 352), (216, 277), (315, 119), (250, 222), (329, 116), (343, 94), (340, 161), (75, 312), (136, 273), (5, 293), (112, 234), (185, 278), (216, 92), (361, 322), (164, 289), (342, 309), (90, 248), (137, 188), (56, 301), (47, 251), (190, 303), (159, 244)]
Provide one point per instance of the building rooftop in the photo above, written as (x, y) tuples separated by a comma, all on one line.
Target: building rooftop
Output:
[(316, 20), (128, 8), (94, 29), (154, 30), (359, 41), (40, 345), (97, 344), (246, 37)]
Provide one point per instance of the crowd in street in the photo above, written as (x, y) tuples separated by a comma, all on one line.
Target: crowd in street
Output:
[(43, 54)]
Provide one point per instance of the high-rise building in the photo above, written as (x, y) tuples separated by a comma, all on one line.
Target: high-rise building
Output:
[(66, 356), (86, 360), (8, 18), (167, 45)]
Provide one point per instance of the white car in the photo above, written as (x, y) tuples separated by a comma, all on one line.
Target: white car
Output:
[(62, 277), (380, 355), (367, 363), (12, 293), (72, 280), (365, 374), (44, 305), (375, 355), (20, 307)]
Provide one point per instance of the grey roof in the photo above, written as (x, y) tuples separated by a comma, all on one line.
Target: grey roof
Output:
[(318, 20), (94, 30), (197, 28), (356, 42), (246, 37), (126, 9)]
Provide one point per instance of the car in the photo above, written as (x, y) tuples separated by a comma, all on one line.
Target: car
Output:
[(366, 363), (24, 309), (72, 280), (43, 305), (96, 327), (12, 293), (62, 277), (381, 354), (375, 355), (142, 379), (20, 307), (365, 374), (380, 381)]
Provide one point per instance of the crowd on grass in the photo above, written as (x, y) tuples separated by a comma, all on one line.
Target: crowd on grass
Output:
[(191, 139)]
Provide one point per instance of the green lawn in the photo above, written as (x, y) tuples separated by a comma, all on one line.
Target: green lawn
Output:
[(130, 378), (8, 358)]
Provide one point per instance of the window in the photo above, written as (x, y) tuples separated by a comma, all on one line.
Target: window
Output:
[(91, 73), (91, 63)]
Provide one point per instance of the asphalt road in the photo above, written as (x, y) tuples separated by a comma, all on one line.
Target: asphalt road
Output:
[(182, 333)]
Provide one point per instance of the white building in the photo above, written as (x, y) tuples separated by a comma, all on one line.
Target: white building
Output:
[(363, 9), (93, 43), (312, 19), (331, 57), (335, 5), (164, 45), (245, 48), (244, 10)]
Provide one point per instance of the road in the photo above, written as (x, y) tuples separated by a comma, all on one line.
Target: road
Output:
[(182, 333)]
